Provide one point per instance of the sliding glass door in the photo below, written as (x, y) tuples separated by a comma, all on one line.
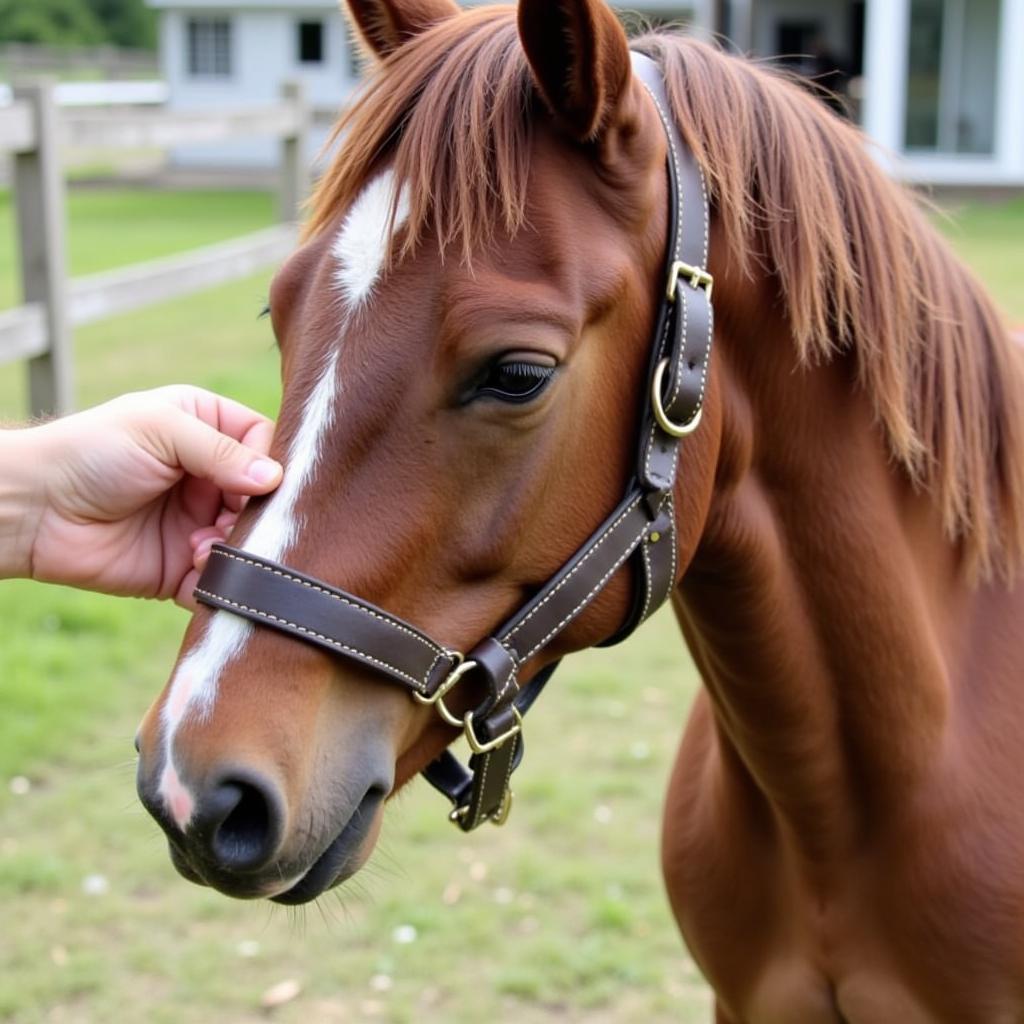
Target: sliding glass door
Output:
[(951, 88)]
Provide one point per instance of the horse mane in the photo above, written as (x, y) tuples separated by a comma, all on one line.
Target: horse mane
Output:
[(860, 270)]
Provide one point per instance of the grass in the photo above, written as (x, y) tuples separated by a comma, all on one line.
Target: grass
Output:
[(990, 237), (113, 227), (559, 916)]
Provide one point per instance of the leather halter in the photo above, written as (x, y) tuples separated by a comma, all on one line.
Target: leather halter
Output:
[(642, 527)]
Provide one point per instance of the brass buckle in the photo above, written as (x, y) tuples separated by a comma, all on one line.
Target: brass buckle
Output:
[(698, 277), (498, 818), (485, 748), (670, 428), (462, 668)]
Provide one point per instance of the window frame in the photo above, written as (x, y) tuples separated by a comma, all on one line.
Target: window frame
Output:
[(209, 47)]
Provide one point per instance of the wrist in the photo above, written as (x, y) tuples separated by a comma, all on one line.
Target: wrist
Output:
[(22, 499)]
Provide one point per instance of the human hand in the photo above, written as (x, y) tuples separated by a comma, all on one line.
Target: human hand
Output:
[(120, 495)]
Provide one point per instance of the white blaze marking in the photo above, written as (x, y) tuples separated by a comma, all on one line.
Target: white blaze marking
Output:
[(361, 247), (194, 689), (361, 250)]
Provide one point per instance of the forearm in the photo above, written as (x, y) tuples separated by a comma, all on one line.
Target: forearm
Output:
[(21, 499)]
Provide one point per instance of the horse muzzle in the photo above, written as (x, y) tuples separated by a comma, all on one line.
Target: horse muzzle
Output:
[(244, 839)]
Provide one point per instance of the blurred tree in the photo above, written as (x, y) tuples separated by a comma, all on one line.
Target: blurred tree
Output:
[(50, 22), (128, 23)]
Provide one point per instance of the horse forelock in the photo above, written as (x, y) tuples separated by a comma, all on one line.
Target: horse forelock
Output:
[(448, 113)]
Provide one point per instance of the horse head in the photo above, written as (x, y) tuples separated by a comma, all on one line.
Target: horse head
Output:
[(464, 336)]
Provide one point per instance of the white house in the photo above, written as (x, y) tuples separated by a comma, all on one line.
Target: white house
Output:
[(942, 81), (230, 53)]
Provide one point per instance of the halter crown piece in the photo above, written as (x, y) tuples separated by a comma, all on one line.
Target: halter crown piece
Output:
[(642, 527)]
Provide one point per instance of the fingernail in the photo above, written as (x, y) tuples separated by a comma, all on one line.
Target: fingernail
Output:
[(263, 471)]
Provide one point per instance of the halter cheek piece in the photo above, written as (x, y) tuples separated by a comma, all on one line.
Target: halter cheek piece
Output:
[(642, 528)]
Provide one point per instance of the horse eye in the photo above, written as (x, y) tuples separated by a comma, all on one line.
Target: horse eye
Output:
[(515, 381)]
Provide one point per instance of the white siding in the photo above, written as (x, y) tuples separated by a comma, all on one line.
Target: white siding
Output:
[(264, 45), (1010, 99)]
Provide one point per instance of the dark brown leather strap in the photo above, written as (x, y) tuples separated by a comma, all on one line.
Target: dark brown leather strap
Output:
[(629, 528), (322, 615), (685, 325)]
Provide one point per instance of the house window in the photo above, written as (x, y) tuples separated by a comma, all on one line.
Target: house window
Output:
[(796, 42), (311, 42), (209, 47), (951, 88)]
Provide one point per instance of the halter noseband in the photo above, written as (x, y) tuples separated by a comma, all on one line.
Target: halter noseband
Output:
[(641, 527)]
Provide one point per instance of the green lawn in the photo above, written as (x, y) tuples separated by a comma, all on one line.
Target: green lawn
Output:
[(990, 237), (559, 916), (113, 227)]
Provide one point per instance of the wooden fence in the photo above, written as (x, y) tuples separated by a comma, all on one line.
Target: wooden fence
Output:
[(34, 129), (108, 63)]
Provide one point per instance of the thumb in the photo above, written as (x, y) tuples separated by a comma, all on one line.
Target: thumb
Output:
[(204, 452)]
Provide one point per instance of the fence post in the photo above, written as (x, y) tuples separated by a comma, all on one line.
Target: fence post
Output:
[(294, 149), (39, 201)]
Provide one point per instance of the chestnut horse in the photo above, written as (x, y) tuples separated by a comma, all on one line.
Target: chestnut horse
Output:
[(465, 334)]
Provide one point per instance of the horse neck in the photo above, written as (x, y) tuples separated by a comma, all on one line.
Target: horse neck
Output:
[(822, 597)]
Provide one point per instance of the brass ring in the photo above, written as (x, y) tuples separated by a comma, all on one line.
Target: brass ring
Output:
[(462, 668), (670, 428), (485, 748)]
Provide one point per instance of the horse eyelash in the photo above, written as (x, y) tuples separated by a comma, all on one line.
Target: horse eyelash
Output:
[(527, 370), (264, 312)]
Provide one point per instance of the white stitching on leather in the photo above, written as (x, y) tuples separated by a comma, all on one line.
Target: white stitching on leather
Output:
[(217, 599), (654, 423), (648, 577), (430, 645), (673, 540), (576, 568), (678, 382), (706, 214), (511, 765), (482, 788), (669, 125), (508, 682), (583, 603), (645, 551), (430, 671)]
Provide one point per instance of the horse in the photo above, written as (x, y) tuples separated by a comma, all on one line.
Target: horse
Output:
[(465, 335)]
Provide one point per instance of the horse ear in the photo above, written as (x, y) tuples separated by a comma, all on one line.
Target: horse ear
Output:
[(580, 59), (383, 25)]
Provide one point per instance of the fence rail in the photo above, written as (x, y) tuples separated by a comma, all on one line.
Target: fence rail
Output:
[(99, 296), (103, 61), (17, 130), (23, 332), (162, 129), (34, 130)]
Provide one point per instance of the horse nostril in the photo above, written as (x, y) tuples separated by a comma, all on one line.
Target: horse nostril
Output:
[(240, 820)]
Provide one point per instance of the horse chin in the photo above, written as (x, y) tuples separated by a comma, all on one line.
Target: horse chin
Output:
[(344, 856)]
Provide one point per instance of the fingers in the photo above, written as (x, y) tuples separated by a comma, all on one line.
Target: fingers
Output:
[(201, 541), (191, 443), (185, 598), (229, 417)]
